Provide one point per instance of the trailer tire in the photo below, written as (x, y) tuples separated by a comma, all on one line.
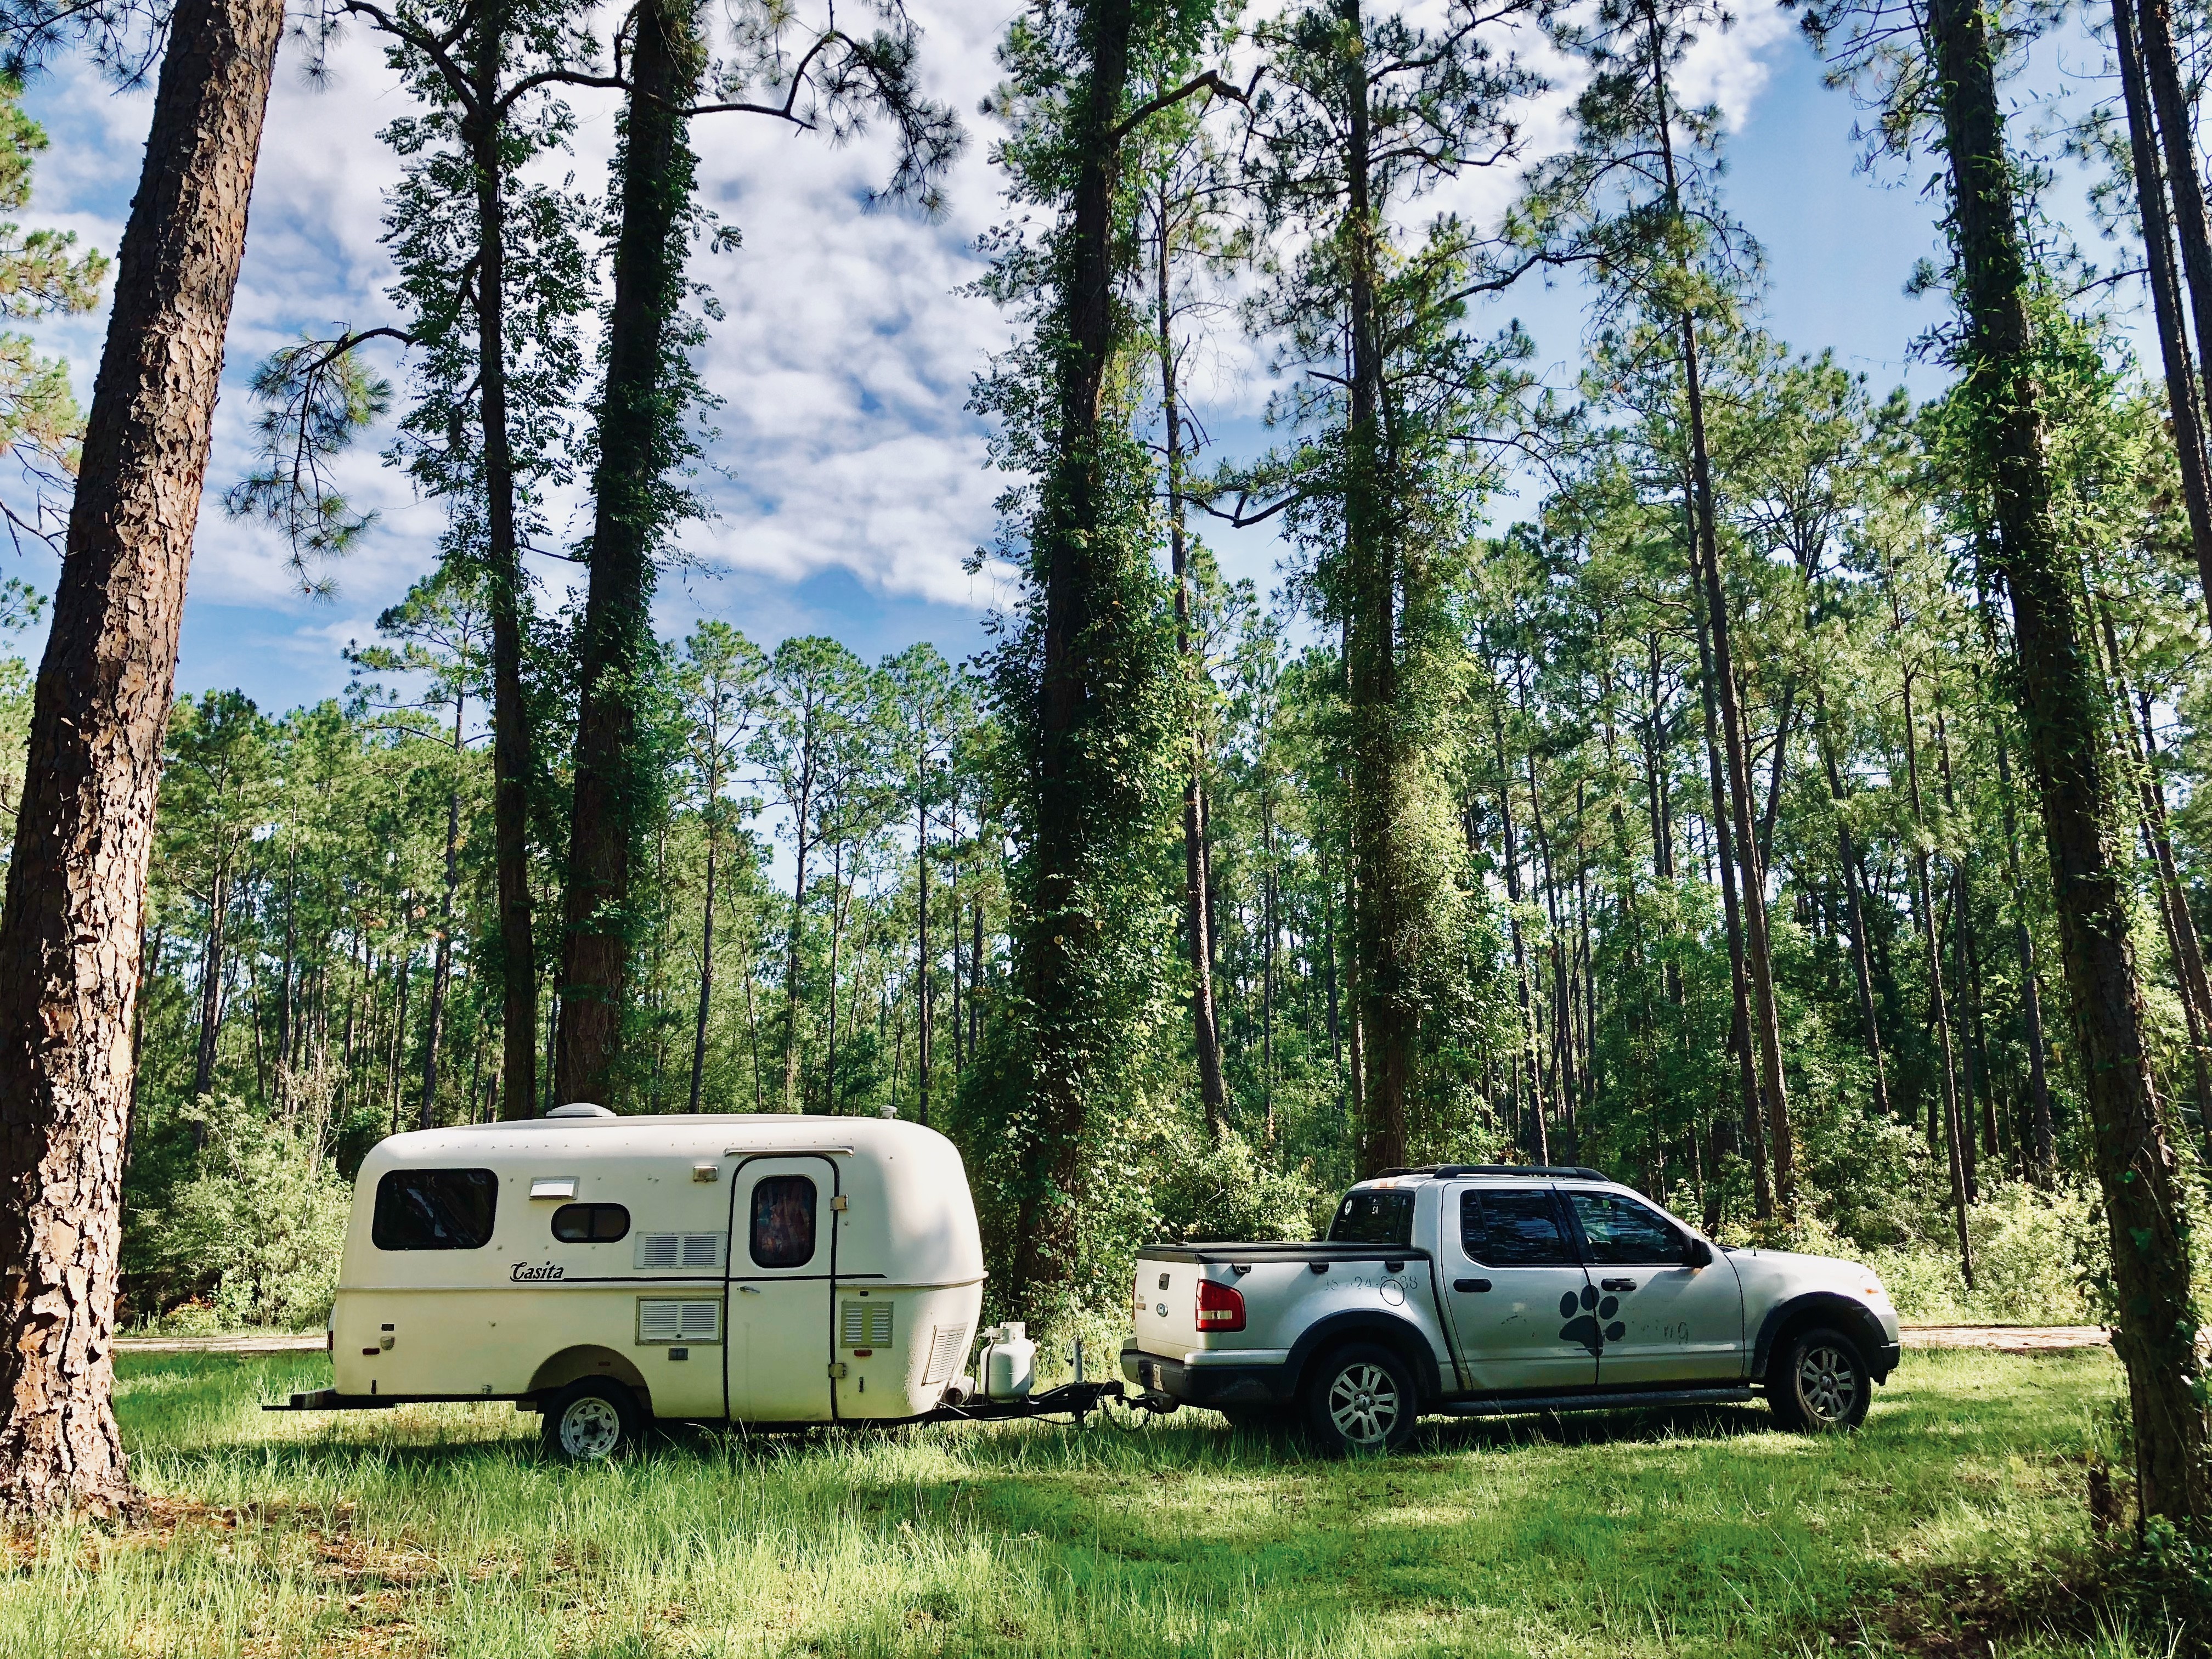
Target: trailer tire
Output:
[(1819, 1382), (1360, 1398), (590, 1420)]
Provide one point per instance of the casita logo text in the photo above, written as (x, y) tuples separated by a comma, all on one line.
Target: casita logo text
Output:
[(523, 1274)]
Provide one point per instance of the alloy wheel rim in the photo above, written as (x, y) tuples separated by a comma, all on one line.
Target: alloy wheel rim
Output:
[(1363, 1404), (590, 1427), (1828, 1383)]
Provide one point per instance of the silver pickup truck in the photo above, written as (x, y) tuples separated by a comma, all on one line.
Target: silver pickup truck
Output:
[(1488, 1290)]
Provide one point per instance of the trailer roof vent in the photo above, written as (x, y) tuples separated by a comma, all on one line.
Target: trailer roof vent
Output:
[(580, 1108)]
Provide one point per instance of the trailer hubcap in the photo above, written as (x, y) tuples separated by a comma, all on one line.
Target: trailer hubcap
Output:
[(1828, 1383), (590, 1427), (1363, 1404)]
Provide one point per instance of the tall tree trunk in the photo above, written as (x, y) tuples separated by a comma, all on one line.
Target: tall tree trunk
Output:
[(1731, 909), (70, 927), (1197, 926), (2173, 109), (2073, 777), (1388, 997), (211, 978), (1757, 959), (613, 785), (791, 969), (441, 976), (921, 963), (505, 587), (1536, 1141), (2182, 391), (1938, 1010), (706, 935), (1855, 913), (2044, 1130)]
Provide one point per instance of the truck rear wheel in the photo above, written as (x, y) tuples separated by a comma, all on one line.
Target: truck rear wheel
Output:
[(1818, 1381), (590, 1420), (1361, 1398)]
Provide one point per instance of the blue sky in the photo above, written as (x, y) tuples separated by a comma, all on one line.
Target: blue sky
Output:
[(850, 480)]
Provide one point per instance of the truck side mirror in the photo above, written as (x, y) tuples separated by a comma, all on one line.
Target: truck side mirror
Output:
[(1701, 1253)]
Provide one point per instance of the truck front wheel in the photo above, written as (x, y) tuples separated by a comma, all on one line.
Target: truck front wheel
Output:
[(1819, 1382), (1361, 1398), (590, 1420)]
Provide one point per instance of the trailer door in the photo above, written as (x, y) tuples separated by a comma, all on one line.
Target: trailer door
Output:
[(782, 1262)]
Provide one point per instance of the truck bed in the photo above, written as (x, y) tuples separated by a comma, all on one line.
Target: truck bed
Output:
[(1281, 1250)]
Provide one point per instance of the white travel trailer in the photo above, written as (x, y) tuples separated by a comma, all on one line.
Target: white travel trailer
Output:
[(606, 1270)]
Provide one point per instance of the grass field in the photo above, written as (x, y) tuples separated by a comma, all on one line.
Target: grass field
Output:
[(442, 1531)]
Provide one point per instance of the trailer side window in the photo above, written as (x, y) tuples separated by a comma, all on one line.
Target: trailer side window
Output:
[(783, 1222), (590, 1224), (435, 1210)]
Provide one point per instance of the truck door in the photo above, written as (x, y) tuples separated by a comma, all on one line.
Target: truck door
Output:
[(1520, 1304), (1663, 1319), (782, 1264)]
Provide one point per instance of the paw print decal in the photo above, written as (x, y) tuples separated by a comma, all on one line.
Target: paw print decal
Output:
[(1590, 1323)]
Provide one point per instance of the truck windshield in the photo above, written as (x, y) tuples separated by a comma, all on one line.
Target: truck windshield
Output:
[(1373, 1218)]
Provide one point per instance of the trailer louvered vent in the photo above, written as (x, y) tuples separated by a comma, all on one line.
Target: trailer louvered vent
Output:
[(680, 1252), (864, 1324), (674, 1319), (948, 1346)]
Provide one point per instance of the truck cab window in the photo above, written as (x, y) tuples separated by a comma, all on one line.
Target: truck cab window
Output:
[(434, 1210), (783, 1222), (1622, 1233), (1373, 1218), (590, 1224), (1512, 1230)]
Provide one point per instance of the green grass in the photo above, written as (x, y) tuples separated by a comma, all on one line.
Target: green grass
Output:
[(442, 1530)]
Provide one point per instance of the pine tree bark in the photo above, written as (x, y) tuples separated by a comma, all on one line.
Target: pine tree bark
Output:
[(71, 928), (441, 976), (2136, 1165), (612, 788)]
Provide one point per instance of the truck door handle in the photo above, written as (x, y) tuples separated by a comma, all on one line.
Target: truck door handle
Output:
[(1470, 1284), (1616, 1284)]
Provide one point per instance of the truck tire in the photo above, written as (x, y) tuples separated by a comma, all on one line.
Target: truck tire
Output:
[(1819, 1382), (1360, 1398), (590, 1420)]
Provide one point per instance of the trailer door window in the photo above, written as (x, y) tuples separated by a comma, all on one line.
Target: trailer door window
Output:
[(591, 1224), (783, 1221), (435, 1210)]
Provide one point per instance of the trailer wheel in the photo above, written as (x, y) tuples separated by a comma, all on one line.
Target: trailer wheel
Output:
[(1361, 1398), (590, 1420)]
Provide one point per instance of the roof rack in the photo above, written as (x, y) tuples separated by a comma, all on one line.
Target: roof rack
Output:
[(1453, 1171)]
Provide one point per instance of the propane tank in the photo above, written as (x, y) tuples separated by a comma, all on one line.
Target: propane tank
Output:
[(1007, 1366)]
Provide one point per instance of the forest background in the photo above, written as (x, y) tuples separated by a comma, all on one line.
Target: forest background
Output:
[(828, 891)]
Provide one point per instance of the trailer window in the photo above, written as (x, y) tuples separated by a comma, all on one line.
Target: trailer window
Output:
[(435, 1210), (1512, 1230), (1373, 1218), (590, 1224), (783, 1222)]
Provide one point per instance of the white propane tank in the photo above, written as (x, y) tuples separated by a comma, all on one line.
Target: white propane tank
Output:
[(1007, 1366)]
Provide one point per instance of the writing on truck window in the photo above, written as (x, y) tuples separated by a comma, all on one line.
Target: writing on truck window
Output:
[(434, 1210), (783, 1221), (1512, 1230), (1381, 1218), (1622, 1233)]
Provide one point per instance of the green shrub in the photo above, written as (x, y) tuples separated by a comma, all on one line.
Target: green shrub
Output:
[(254, 1234), (2033, 1249)]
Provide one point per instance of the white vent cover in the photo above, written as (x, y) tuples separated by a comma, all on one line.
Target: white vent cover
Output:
[(672, 1319), (864, 1324), (680, 1252), (553, 1187), (948, 1349)]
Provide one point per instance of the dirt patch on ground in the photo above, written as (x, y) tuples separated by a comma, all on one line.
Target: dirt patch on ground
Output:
[(2007, 1339)]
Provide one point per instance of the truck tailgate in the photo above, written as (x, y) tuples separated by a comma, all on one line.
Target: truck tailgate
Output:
[(1165, 1306)]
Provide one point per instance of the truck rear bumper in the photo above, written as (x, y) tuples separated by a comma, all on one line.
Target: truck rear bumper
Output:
[(1261, 1377)]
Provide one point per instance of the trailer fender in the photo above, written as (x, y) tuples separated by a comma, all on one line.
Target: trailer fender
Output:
[(588, 1360), (1401, 1336)]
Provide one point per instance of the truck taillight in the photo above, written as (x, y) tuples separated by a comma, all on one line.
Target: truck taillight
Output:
[(1220, 1308)]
